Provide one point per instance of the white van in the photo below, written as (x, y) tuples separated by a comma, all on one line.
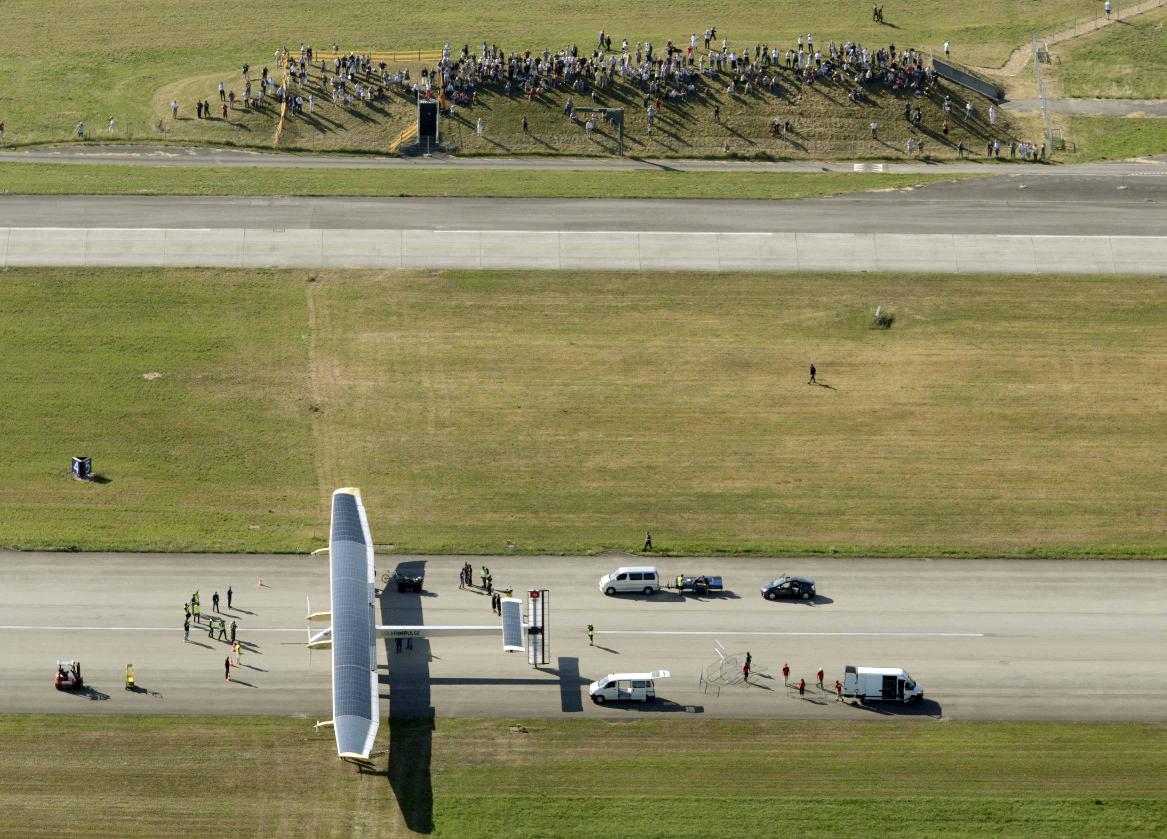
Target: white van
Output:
[(641, 579), (626, 687), (881, 684)]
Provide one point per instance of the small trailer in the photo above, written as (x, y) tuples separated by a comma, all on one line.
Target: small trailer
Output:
[(699, 584), (881, 684)]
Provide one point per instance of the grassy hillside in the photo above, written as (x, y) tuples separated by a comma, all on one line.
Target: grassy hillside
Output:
[(569, 414), (1121, 61), (168, 776), (89, 60)]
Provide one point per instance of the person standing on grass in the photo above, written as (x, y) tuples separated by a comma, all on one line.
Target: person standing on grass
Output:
[(647, 542), (1107, 7), (110, 127), (1, 131), (526, 126), (946, 49), (222, 92), (874, 130), (174, 109), (480, 127), (81, 131), (811, 380)]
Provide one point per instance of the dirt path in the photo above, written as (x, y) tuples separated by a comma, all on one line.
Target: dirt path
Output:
[(1093, 107), (1020, 56)]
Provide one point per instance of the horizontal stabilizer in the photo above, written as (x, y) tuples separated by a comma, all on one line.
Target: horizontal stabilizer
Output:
[(512, 625), (317, 617)]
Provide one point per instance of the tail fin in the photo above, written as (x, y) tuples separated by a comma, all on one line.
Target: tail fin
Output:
[(512, 625)]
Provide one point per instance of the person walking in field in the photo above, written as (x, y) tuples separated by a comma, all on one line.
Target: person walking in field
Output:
[(647, 542), (811, 380), (174, 109)]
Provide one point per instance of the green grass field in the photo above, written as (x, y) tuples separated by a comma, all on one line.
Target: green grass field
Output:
[(89, 60), (80, 179), (82, 776), (1115, 138), (1119, 62), (569, 413)]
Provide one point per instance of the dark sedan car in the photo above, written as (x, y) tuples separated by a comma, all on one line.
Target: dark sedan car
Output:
[(796, 587), (404, 582)]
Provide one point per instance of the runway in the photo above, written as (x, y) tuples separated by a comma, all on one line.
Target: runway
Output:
[(989, 640)]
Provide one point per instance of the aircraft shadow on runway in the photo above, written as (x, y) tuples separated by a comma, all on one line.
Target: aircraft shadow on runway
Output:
[(411, 712)]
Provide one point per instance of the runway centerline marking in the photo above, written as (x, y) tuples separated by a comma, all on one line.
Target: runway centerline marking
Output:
[(808, 634)]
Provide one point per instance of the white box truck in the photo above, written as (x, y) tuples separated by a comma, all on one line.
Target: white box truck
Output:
[(880, 684), (626, 687)]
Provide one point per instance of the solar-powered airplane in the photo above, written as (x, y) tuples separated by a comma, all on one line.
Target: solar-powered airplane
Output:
[(353, 635)]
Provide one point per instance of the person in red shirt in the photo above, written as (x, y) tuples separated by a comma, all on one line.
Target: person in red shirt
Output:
[(838, 691), (746, 672), (820, 675), (802, 687), (786, 674)]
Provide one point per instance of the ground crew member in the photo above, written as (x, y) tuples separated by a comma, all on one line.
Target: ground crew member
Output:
[(812, 372), (647, 542), (591, 635), (215, 602), (233, 625), (820, 675), (186, 629), (489, 583), (222, 630), (485, 575), (462, 578), (227, 668), (802, 687), (197, 613), (229, 593), (786, 674), (236, 648), (838, 691), (186, 611), (196, 600), (211, 628)]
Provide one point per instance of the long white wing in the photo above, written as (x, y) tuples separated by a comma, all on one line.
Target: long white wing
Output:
[(355, 705)]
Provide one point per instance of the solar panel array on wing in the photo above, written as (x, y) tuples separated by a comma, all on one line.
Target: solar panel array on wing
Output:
[(512, 624), (354, 662)]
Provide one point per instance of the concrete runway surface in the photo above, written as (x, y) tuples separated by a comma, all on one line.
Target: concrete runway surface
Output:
[(1009, 640)]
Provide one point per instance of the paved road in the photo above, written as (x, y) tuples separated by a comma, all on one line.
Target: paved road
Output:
[(161, 155), (1051, 204), (988, 639), (1094, 107)]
